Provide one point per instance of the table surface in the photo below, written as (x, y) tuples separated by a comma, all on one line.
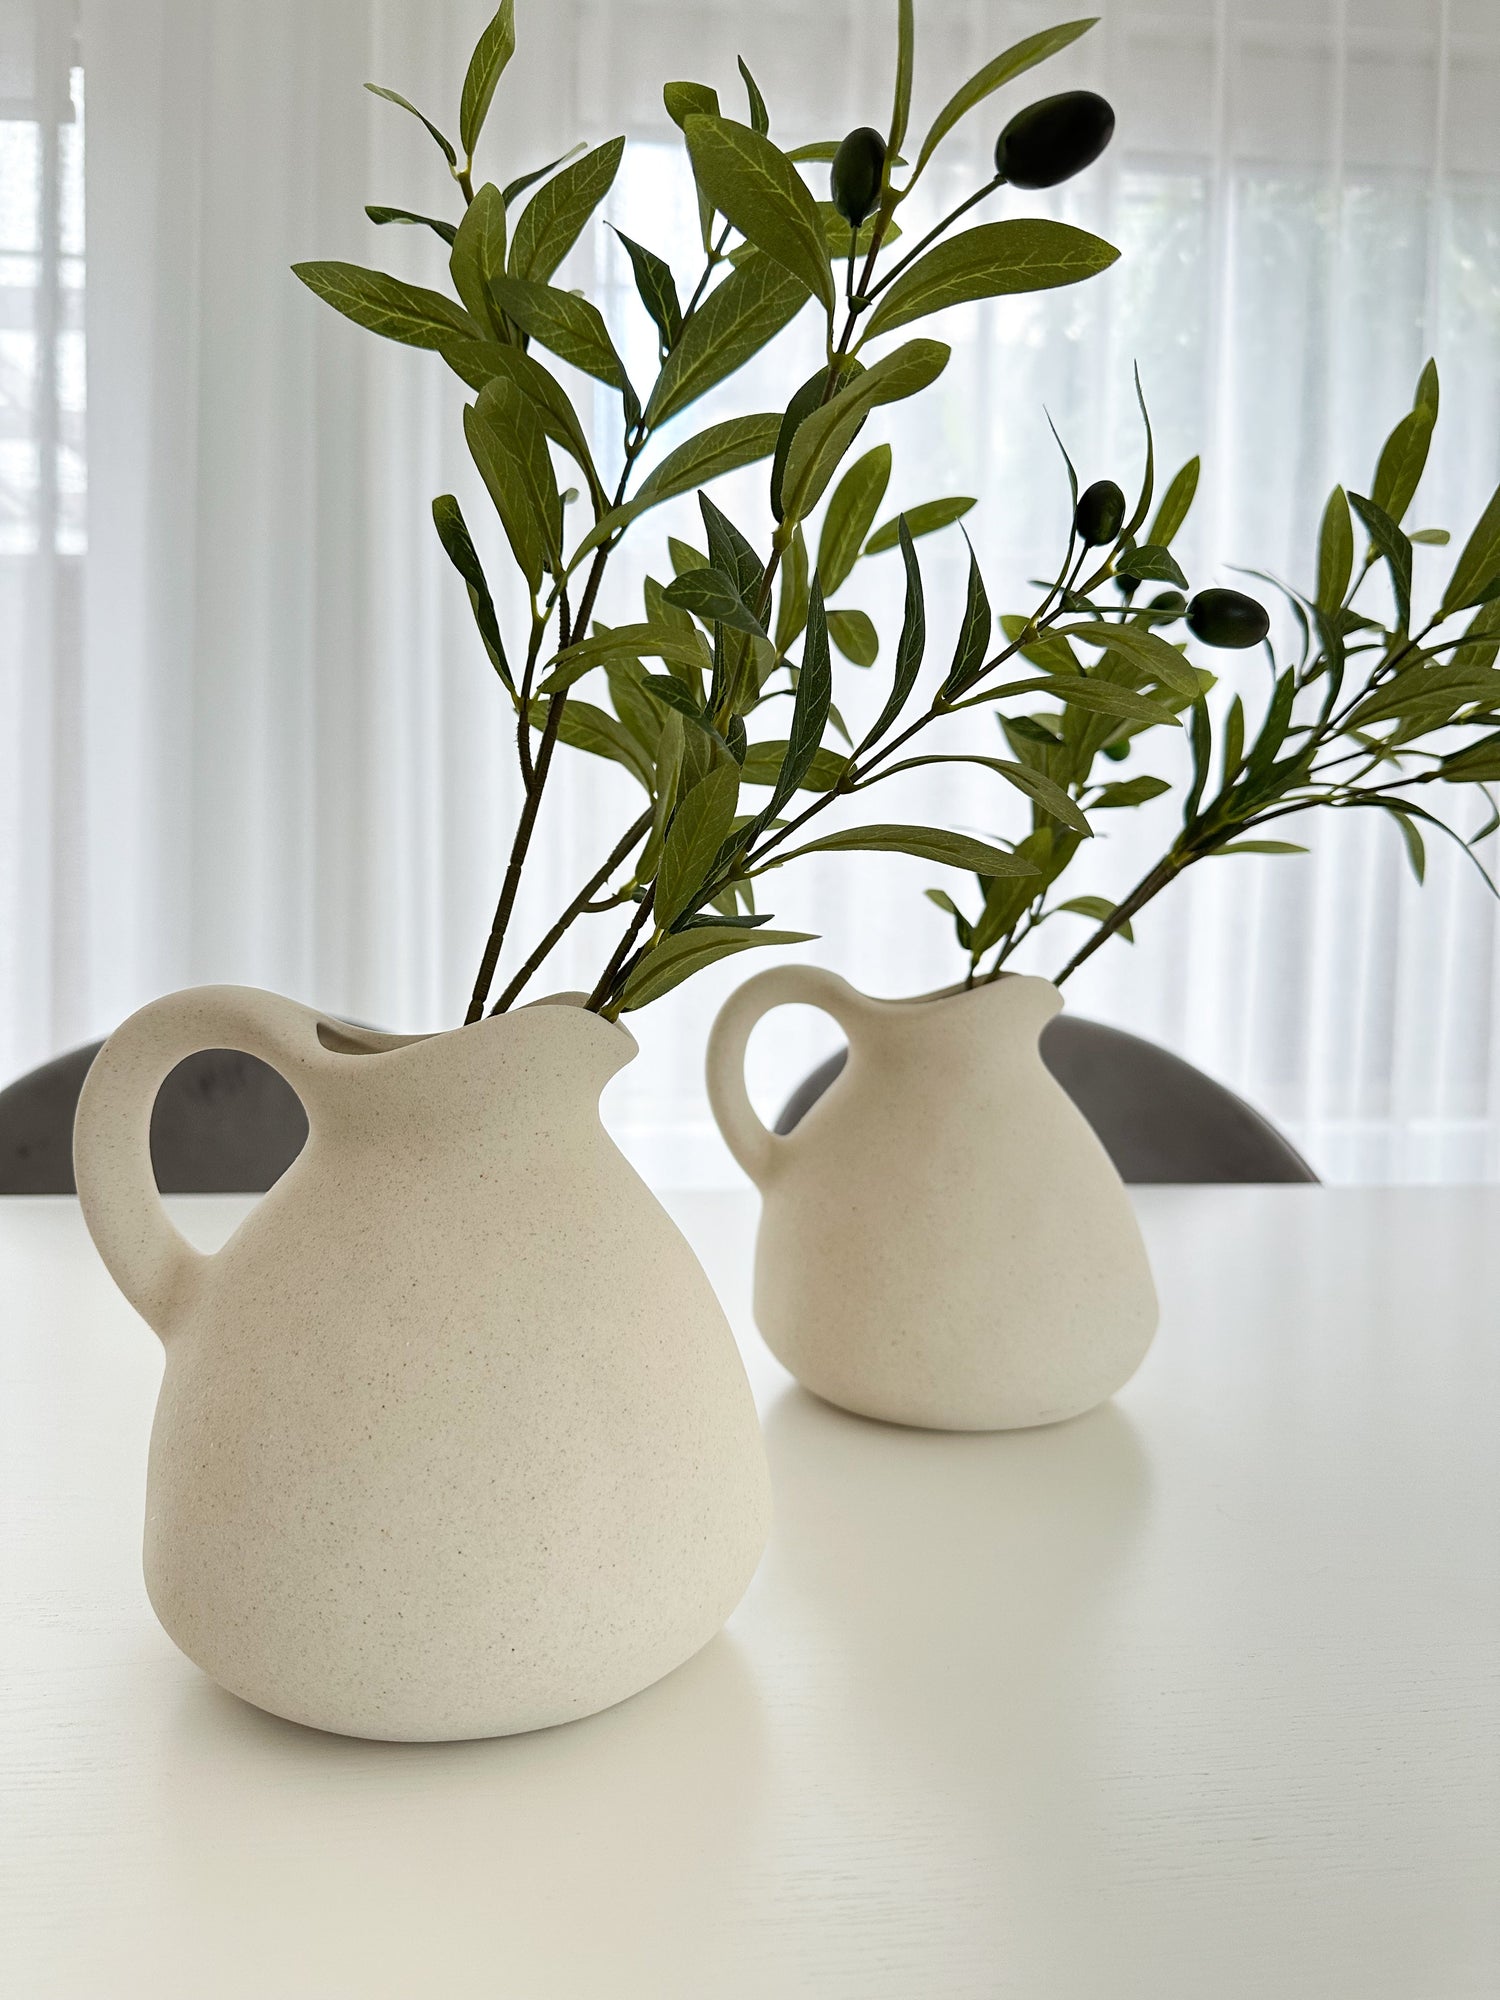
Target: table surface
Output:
[(1195, 1698)]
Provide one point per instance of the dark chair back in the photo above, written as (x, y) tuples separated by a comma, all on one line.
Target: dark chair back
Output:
[(1160, 1119), (224, 1123)]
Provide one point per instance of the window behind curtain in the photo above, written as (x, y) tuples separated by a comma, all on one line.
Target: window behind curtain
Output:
[(42, 487)]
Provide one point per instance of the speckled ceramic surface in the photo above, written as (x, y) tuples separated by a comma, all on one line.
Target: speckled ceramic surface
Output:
[(453, 1438), (943, 1240)]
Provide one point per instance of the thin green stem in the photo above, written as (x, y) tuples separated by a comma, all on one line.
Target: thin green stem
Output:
[(580, 906), (911, 256), (596, 1002)]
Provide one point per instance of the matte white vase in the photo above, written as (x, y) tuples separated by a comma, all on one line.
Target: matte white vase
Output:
[(453, 1438), (943, 1240)]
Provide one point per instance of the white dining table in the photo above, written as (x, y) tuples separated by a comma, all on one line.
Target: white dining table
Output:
[(1194, 1698)]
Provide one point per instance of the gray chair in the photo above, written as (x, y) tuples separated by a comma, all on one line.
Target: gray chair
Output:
[(224, 1123), (1159, 1118)]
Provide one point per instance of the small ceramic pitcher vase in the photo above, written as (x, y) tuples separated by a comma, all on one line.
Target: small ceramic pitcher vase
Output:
[(453, 1438), (943, 1241)]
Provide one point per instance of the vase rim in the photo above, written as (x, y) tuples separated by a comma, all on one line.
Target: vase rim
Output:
[(959, 991)]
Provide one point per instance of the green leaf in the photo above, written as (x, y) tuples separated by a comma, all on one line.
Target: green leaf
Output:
[(478, 256), (394, 97), (1144, 649), (1481, 638), (719, 449), (513, 190), (1152, 562), (754, 185), (924, 519), (1148, 477), (378, 214), (453, 532), (909, 648), (728, 549), (1234, 743), (999, 70), (735, 321), (624, 642), (656, 286), (1403, 460), (760, 118), (973, 634), (559, 419), (1129, 792), (853, 632), (698, 830), (1416, 850), (553, 219), (1476, 763), (688, 100), (492, 52), (906, 56), (585, 727), (1100, 909), (1395, 550), (386, 306), (710, 595), (1335, 552), (1175, 503), (851, 510), (1434, 538), (509, 446), (927, 843), (763, 765), (1024, 254), (791, 614), (1037, 786), (682, 954), (822, 438), (836, 232), (1202, 740), (564, 324), (1099, 697), (810, 706), (1479, 563), (1259, 847), (1439, 692)]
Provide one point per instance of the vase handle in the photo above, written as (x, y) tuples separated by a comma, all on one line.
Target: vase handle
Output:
[(156, 1269), (757, 1149)]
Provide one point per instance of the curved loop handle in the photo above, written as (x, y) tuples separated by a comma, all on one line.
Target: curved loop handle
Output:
[(757, 1149), (156, 1269)]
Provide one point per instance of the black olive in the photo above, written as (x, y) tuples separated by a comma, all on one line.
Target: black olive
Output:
[(1227, 618), (1100, 514), (1127, 586), (1054, 139), (1169, 600), (856, 174)]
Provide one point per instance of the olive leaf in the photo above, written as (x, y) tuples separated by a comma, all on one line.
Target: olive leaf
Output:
[(485, 360), (764, 761), (754, 185), (910, 646), (1335, 552), (760, 118), (553, 219), (822, 437), (927, 843), (492, 52), (453, 532), (738, 317), (1479, 563), (791, 611), (478, 256), (851, 510), (1175, 503), (1394, 549), (1144, 649), (509, 446), (1403, 459), (924, 519), (974, 633), (698, 830), (1151, 563), (999, 70), (564, 324), (1024, 254), (657, 288), (710, 595), (1035, 784), (1101, 909), (444, 144), (853, 632), (387, 306), (682, 954), (692, 464), (810, 707), (381, 214), (906, 46), (624, 642), (594, 730)]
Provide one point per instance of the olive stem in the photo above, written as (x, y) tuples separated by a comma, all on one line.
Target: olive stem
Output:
[(932, 235)]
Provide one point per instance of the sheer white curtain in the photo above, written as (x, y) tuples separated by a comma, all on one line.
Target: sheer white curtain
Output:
[(271, 750)]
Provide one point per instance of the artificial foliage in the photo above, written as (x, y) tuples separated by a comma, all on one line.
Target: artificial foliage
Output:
[(719, 696)]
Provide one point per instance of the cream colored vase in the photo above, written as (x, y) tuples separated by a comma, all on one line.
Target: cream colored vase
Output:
[(453, 1439), (943, 1240)]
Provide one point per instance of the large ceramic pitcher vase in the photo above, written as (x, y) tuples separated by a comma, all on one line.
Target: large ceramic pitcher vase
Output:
[(943, 1240), (453, 1439)]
